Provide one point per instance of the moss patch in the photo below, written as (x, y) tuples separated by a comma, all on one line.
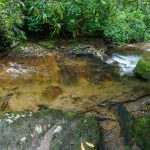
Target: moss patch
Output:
[(48, 44), (141, 132)]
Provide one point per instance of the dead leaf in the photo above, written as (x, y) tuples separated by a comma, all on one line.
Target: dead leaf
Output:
[(90, 144), (82, 146)]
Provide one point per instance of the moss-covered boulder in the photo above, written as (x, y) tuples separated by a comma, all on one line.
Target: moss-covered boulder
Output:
[(141, 132), (48, 129), (47, 43), (143, 69)]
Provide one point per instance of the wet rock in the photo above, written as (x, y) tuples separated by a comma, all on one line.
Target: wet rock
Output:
[(111, 135), (78, 53), (28, 49), (84, 48), (80, 48), (143, 69), (52, 92), (135, 147), (4, 102), (139, 107), (116, 131), (137, 46), (48, 129), (1, 66), (101, 71), (20, 101), (87, 51), (42, 106), (69, 74), (48, 43)]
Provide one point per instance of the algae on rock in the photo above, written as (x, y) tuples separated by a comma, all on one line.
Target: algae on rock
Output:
[(141, 132)]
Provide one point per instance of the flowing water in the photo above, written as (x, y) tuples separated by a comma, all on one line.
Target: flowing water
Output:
[(127, 63), (72, 84)]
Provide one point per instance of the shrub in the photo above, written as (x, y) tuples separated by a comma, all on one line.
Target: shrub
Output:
[(43, 14), (12, 18), (126, 27), (4, 39), (121, 21)]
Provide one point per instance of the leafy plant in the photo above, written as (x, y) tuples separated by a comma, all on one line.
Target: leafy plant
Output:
[(3, 29), (121, 21), (42, 14), (12, 18)]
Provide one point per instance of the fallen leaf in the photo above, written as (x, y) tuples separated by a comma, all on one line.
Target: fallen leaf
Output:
[(82, 146), (90, 144)]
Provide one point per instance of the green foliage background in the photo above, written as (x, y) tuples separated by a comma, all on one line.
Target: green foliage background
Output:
[(120, 21)]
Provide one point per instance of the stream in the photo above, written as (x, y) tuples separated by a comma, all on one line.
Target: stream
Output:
[(73, 84), (84, 85), (78, 83)]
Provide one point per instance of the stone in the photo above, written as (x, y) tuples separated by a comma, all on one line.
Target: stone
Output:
[(48, 44), (28, 49), (52, 92), (142, 69)]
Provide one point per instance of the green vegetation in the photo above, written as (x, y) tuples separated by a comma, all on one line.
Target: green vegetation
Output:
[(3, 34), (3, 39), (121, 21), (141, 133)]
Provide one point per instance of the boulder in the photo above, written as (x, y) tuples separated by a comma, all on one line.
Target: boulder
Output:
[(143, 69)]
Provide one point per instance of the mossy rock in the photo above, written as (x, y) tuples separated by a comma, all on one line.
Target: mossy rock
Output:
[(140, 131), (143, 69), (28, 49), (48, 44), (48, 129)]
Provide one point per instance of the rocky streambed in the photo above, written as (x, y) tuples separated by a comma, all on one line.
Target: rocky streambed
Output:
[(81, 77)]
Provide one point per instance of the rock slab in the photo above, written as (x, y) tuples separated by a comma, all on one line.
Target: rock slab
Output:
[(48, 129)]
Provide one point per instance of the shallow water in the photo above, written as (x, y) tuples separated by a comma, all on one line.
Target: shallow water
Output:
[(74, 84)]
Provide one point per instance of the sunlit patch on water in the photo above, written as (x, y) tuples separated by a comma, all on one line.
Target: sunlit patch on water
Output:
[(127, 63)]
